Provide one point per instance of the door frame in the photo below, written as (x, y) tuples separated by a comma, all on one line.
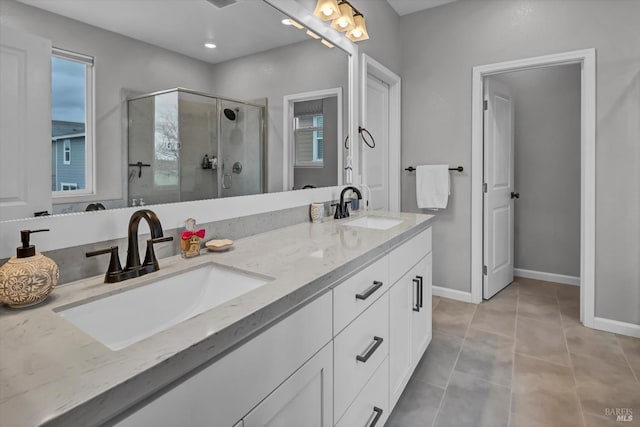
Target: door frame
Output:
[(379, 71), (587, 59), (288, 132)]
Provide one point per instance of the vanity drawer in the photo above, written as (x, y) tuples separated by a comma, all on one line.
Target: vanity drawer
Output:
[(372, 404), (358, 351), (358, 292), (408, 254)]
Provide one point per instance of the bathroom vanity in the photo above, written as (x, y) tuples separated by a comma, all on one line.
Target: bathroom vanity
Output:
[(330, 337)]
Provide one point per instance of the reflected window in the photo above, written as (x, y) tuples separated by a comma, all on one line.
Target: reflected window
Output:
[(71, 123), (309, 140), (166, 170)]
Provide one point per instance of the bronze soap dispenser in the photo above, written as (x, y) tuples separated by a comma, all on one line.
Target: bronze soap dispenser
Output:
[(29, 277)]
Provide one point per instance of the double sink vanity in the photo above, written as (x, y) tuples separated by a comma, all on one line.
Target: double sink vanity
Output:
[(314, 324)]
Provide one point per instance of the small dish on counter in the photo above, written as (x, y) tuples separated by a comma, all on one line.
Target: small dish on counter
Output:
[(219, 245)]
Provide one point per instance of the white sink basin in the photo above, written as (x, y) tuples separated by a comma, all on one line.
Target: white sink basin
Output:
[(373, 222), (125, 318)]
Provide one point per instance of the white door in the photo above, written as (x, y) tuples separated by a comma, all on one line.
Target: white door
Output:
[(376, 160), (498, 181), (25, 124), (305, 399)]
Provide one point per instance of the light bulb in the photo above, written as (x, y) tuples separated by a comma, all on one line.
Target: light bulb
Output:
[(357, 33), (210, 45), (327, 12)]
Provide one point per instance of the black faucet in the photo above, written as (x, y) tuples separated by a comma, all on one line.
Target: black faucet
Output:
[(133, 268), (342, 208)]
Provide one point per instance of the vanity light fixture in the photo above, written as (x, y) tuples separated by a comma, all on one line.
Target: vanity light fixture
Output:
[(345, 22), (210, 45), (359, 33), (348, 20), (327, 10), (313, 35)]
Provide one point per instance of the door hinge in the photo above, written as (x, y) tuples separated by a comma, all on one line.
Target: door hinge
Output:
[(484, 187), (484, 270), (485, 105)]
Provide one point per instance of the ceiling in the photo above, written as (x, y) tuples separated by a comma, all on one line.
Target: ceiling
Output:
[(239, 29), (405, 7)]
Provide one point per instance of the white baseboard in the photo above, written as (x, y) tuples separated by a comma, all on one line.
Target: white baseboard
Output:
[(451, 294), (617, 327), (548, 277)]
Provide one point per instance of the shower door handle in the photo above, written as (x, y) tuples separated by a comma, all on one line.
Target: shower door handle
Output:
[(224, 181)]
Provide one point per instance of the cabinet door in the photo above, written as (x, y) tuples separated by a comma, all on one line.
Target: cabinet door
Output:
[(305, 399), (421, 319), (400, 321)]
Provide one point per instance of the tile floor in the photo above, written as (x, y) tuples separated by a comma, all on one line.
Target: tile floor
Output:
[(521, 359)]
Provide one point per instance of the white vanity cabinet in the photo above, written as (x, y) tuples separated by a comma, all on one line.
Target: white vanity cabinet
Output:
[(342, 360), (409, 317)]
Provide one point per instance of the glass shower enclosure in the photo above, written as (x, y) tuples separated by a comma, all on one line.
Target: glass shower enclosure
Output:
[(185, 145)]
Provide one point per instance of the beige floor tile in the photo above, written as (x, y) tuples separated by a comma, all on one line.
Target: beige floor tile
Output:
[(570, 312), (588, 369), (488, 356), (501, 302), (473, 402), (417, 407), (598, 399), (434, 301), (452, 317), (546, 409), (568, 293), (531, 374), (438, 361), (542, 308), (595, 344), (542, 341), (631, 348), (535, 287), (500, 321), (511, 289)]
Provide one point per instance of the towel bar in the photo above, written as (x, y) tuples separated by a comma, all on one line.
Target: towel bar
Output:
[(459, 169)]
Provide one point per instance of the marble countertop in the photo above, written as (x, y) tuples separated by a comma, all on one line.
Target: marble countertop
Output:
[(53, 374)]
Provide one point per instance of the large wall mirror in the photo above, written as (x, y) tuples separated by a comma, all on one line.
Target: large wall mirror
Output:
[(129, 103)]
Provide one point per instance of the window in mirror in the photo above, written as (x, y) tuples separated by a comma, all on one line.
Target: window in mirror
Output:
[(309, 139), (71, 114), (167, 146)]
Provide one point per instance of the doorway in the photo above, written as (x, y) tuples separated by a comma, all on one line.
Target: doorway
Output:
[(380, 92), (586, 59), (532, 172)]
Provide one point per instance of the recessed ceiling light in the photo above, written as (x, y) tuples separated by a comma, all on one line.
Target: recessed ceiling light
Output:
[(286, 21), (210, 45)]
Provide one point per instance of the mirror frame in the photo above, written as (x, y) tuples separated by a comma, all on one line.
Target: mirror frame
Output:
[(75, 229)]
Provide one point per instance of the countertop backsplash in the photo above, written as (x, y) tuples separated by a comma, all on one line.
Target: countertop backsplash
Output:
[(75, 266)]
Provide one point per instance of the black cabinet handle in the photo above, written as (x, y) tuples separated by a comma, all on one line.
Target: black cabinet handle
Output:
[(417, 303), (377, 341), (376, 285), (420, 278), (378, 412), (515, 195)]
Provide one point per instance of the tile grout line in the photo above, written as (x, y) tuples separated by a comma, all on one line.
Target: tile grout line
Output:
[(573, 371), (453, 368), (624, 354), (513, 359)]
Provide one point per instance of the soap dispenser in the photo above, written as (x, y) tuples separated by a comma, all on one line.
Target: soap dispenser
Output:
[(29, 277)]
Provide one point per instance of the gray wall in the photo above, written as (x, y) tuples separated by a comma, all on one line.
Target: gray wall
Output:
[(439, 48), (121, 63), (547, 168)]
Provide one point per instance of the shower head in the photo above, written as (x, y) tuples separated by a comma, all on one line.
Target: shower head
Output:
[(230, 114)]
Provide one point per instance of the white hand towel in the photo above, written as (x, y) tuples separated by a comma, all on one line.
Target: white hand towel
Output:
[(432, 186)]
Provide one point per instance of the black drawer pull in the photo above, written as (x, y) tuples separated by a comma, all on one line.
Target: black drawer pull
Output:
[(417, 299), (420, 278), (378, 412), (376, 285), (372, 349)]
